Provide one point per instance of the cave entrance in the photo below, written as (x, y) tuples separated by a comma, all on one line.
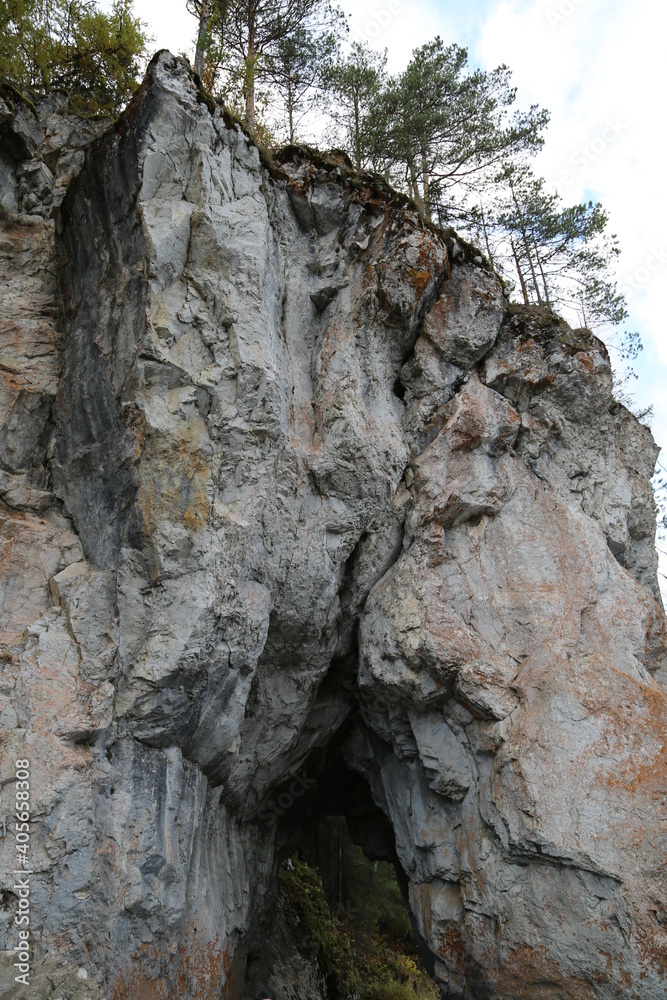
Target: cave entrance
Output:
[(342, 929)]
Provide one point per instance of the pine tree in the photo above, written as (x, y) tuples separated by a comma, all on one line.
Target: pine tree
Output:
[(447, 125), (562, 256), (295, 71), (355, 88), (248, 33)]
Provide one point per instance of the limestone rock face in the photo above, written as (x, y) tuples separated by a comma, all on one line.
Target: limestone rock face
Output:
[(41, 151), (300, 516)]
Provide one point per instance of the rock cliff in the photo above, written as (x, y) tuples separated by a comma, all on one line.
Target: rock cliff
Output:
[(300, 516)]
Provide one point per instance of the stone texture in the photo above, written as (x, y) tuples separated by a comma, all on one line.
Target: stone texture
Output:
[(295, 505), (288, 960), (574, 436), (41, 151)]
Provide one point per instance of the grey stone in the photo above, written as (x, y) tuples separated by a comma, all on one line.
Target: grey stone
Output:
[(391, 558), (323, 296)]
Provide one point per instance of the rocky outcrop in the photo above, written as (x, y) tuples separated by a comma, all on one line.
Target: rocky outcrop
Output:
[(42, 149), (300, 516)]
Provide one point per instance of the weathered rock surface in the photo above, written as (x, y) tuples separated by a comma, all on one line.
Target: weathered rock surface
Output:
[(295, 503), (288, 960), (41, 151)]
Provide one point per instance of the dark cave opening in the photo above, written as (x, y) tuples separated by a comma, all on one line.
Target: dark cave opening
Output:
[(399, 390), (336, 854)]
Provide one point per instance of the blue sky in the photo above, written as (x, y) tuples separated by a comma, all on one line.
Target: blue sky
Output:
[(597, 65)]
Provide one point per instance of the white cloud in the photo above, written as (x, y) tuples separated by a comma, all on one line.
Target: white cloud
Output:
[(170, 25)]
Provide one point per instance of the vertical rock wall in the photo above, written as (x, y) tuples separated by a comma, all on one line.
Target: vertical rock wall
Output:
[(291, 492)]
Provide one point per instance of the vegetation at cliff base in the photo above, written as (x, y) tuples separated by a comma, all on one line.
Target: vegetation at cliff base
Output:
[(363, 938)]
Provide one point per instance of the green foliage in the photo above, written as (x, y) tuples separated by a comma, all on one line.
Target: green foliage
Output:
[(562, 256), (332, 938), (436, 125), (242, 38), (354, 886), (388, 973), (355, 86), (363, 938), (386, 989), (229, 90), (294, 70), (73, 45)]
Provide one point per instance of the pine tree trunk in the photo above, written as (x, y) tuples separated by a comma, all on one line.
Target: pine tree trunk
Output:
[(201, 36), (357, 134), (486, 235), (531, 266), (413, 184), (544, 281), (425, 186), (522, 282), (250, 76), (526, 245), (290, 111)]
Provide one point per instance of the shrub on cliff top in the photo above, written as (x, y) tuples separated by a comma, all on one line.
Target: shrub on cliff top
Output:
[(74, 46)]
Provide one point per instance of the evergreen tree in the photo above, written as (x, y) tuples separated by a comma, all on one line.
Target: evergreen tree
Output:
[(562, 256), (72, 44), (447, 125), (355, 87), (295, 71), (248, 33), (355, 887), (210, 39)]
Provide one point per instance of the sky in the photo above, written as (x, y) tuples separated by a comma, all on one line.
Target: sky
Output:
[(597, 66)]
